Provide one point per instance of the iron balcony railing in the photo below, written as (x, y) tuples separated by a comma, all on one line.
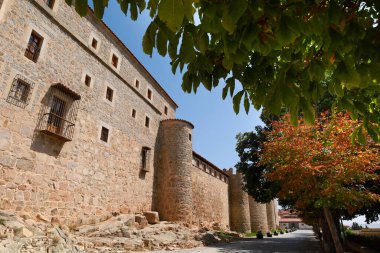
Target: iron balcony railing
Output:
[(55, 125)]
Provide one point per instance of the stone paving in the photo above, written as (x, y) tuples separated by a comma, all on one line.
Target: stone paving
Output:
[(299, 241)]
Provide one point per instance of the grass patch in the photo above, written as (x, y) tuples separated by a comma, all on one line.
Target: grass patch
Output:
[(250, 234)]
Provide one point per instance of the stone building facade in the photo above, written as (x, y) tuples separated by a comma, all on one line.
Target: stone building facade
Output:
[(86, 131)]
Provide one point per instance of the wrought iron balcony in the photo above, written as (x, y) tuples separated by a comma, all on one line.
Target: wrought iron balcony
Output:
[(57, 126)]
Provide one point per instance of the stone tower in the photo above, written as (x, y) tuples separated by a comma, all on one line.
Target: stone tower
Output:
[(258, 214), (239, 204), (173, 187), (271, 215)]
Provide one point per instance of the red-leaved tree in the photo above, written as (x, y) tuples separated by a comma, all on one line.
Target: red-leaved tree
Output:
[(319, 166)]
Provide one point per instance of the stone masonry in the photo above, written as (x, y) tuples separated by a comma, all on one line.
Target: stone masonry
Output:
[(87, 132), (258, 216)]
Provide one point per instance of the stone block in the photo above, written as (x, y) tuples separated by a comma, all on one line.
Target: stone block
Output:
[(7, 160), (23, 232), (152, 217), (25, 164), (5, 139), (141, 220)]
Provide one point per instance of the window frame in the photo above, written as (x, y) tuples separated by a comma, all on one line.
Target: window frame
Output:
[(118, 55), (50, 3), (25, 98), (92, 37), (134, 113), (147, 122), (34, 56), (149, 94), (107, 134), (109, 94)]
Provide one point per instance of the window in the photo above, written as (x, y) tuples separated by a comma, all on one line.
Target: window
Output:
[(147, 121), (94, 43), (166, 110), (87, 80), (133, 113), (115, 61), (49, 3), (145, 159), (149, 94), (109, 94), (137, 83), (59, 111), (189, 137), (104, 134), (56, 115), (34, 46), (20, 92)]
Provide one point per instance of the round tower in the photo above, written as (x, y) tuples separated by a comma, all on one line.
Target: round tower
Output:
[(173, 192), (271, 215), (239, 204), (258, 213)]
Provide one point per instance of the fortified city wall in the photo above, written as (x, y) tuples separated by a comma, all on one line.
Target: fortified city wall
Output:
[(210, 193), (124, 152)]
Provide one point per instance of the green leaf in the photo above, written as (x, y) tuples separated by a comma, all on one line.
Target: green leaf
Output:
[(189, 9), (225, 91), (171, 12), (232, 13), (373, 131), (308, 110), (246, 103), (361, 137), (174, 66), (228, 63), (133, 10), (152, 6), (161, 42), (81, 7), (141, 4), (236, 101), (123, 5), (186, 52), (149, 38), (354, 135), (99, 6)]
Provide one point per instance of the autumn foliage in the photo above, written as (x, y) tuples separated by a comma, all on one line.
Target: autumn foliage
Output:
[(319, 166)]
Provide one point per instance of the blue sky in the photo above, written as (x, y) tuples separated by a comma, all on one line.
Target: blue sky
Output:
[(216, 124)]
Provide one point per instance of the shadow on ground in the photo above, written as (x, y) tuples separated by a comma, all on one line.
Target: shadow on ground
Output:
[(299, 241)]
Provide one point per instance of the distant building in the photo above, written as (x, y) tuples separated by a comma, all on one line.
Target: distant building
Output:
[(291, 220)]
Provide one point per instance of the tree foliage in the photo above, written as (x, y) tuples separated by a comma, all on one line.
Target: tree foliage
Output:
[(318, 166), (286, 53)]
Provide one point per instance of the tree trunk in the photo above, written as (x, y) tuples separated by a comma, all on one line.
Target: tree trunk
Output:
[(328, 245), (333, 230)]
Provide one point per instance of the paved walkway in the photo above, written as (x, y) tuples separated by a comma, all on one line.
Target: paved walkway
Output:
[(300, 241)]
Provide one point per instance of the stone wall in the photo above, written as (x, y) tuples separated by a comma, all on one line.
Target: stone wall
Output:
[(271, 215), (239, 204), (210, 195), (84, 177), (258, 216)]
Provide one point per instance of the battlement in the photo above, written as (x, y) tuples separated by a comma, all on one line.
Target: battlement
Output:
[(206, 166)]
